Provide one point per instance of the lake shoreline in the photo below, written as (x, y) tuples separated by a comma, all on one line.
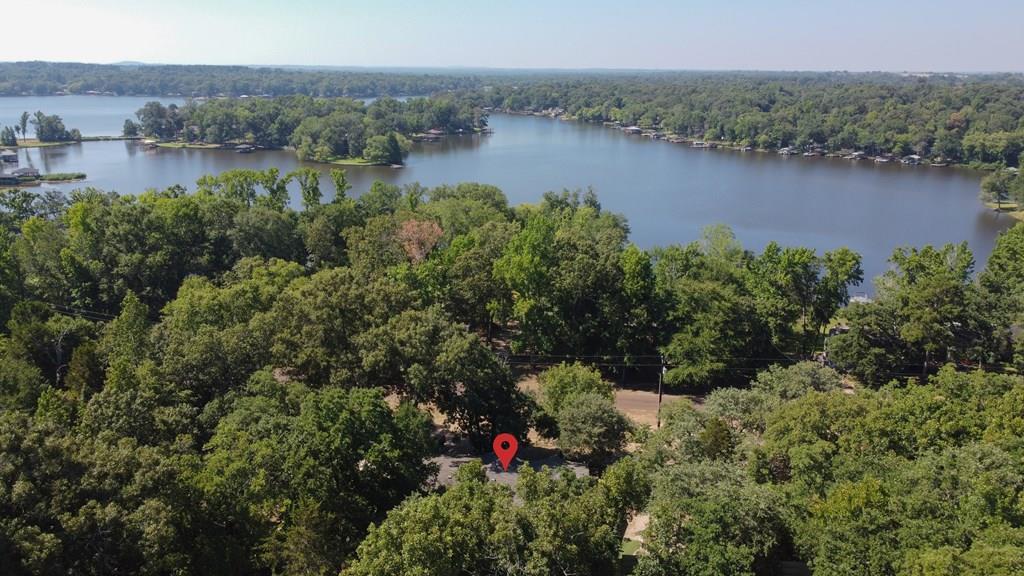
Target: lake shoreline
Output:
[(33, 143), (245, 148), (668, 193), (688, 141)]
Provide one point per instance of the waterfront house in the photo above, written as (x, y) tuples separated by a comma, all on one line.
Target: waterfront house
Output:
[(632, 130), (9, 156), (911, 160), (861, 298)]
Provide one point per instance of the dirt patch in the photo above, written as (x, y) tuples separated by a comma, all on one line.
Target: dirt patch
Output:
[(641, 406), (637, 525)]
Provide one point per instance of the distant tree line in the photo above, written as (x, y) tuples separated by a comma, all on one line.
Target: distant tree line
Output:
[(319, 129), (47, 78), (961, 119)]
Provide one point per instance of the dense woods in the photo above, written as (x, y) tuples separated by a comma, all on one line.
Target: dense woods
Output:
[(214, 382), (319, 129), (47, 78), (957, 118)]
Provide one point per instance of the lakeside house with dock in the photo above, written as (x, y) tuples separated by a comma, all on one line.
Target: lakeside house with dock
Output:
[(9, 156)]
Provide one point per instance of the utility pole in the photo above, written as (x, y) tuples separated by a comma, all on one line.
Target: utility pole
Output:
[(661, 378)]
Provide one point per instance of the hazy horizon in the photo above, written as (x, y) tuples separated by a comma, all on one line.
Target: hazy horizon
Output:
[(470, 69), (940, 36)]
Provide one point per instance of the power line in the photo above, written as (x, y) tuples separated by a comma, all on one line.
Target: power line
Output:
[(87, 314)]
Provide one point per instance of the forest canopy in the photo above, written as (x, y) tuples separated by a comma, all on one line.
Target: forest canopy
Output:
[(48, 78), (214, 382), (319, 129)]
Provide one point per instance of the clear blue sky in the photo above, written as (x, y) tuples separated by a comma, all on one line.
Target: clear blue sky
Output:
[(915, 35)]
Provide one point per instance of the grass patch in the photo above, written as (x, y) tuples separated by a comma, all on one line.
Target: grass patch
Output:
[(33, 143), (630, 547), (1009, 208), (190, 145), (354, 162), (62, 177), (108, 138)]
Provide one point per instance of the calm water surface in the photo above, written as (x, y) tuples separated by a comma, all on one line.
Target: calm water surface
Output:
[(92, 115), (668, 192)]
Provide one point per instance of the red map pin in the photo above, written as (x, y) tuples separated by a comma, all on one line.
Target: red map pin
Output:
[(505, 446)]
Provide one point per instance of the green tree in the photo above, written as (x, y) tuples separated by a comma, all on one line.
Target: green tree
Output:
[(709, 519), (591, 429), (309, 185), (996, 188), (51, 128), (303, 474), (21, 383), (23, 123), (717, 440), (8, 137), (426, 358), (474, 527), (130, 129), (560, 385), (341, 185), (855, 531)]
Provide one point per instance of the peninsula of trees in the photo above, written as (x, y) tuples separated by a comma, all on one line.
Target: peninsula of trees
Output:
[(319, 129), (217, 383)]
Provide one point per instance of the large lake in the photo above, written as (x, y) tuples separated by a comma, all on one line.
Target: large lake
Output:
[(668, 192)]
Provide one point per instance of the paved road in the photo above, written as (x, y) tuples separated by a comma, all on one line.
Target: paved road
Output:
[(534, 457)]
